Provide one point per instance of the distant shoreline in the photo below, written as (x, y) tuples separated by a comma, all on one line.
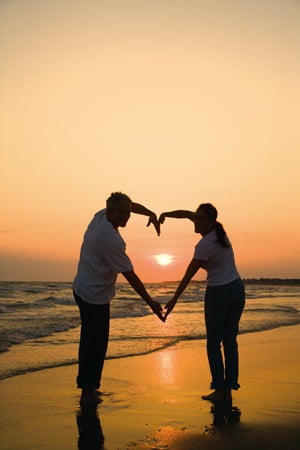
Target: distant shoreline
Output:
[(266, 281), (283, 281), (261, 281)]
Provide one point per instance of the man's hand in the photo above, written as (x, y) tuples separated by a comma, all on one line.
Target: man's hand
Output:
[(153, 219), (139, 288), (137, 208), (157, 309), (169, 307)]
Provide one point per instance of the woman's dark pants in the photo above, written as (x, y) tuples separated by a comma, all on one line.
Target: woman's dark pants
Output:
[(93, 343), (223, 308)]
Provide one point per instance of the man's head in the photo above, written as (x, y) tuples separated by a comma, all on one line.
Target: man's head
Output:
[(118, 208)]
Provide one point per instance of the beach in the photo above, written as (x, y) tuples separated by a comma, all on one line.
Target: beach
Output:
[(153, 401)]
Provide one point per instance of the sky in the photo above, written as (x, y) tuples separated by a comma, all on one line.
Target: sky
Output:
[(173, 102)]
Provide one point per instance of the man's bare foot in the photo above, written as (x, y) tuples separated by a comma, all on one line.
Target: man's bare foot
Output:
[(90, 396), (218, 395)]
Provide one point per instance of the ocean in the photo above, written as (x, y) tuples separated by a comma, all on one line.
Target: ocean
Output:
[(40, 325)]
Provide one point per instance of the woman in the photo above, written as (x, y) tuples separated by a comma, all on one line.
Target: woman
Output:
[(224, 297)]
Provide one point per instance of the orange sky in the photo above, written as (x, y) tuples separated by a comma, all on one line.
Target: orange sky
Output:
[(172, 102)]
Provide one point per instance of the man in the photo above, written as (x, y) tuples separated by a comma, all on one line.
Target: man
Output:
[(102, 257)]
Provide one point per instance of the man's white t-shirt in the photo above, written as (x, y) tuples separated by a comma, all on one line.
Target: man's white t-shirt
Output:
[(218, 260), (102, 257)]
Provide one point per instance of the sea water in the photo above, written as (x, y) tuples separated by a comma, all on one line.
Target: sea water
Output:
[(40, 325)]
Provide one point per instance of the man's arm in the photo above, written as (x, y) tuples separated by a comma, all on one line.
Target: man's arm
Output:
[(178, 214), (137, 208), (138, 286)]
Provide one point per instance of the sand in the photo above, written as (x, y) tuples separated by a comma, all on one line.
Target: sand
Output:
[(154, 402)]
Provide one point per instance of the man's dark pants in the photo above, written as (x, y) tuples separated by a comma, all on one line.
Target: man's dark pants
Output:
[(93, 342)]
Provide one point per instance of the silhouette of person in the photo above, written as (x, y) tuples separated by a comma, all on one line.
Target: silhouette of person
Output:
[(224, 297), (102, 257)]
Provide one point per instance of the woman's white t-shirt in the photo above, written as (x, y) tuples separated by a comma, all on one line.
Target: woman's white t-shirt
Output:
[(218, 261)]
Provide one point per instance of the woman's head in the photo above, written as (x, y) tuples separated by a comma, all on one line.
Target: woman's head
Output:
[(205, 218)]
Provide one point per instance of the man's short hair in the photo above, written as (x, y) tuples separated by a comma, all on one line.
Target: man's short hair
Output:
[(115, 198)]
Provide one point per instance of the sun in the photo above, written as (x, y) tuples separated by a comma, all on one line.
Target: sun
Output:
[(164, 260)]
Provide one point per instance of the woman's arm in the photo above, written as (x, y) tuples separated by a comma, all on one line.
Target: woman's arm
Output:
[(191, 270), (178, 214)]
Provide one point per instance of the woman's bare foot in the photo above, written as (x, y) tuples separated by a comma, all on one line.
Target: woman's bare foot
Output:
[(218, 395), (90, 396)]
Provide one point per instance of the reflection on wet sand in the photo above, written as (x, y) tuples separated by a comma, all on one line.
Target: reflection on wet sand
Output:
[(89, 428), (221, 432), (225, 413), (91, 436)]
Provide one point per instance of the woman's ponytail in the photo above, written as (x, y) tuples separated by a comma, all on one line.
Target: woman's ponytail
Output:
[(221, 235), (212, 214)]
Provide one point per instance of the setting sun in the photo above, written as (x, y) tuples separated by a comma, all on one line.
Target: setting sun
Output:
[(164, 260)]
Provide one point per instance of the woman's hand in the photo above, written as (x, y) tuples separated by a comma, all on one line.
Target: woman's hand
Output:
[(169, 307), (162, 218)]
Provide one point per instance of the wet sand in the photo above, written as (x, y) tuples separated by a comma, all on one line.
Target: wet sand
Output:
[(154, 402)]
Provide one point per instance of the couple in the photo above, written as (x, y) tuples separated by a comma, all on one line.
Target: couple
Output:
[(103, 257)]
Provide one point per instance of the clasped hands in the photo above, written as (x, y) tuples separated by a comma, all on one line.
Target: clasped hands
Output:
[(156, 306), (159, 310), (156, 222)]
